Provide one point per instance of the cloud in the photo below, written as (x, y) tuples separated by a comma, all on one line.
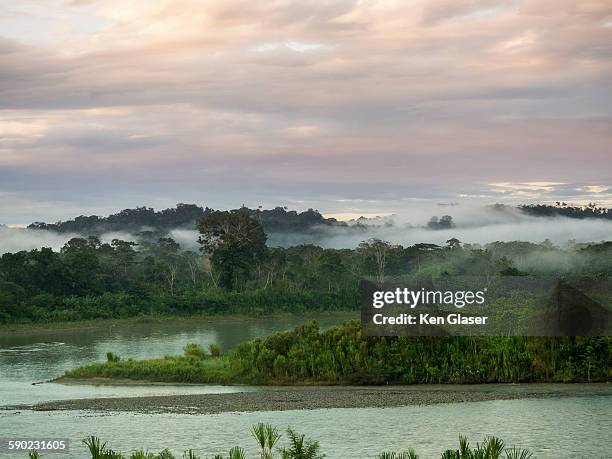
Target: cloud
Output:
[(436, 12), (596, 189), (306, 100), (525, 189), (296, 46)]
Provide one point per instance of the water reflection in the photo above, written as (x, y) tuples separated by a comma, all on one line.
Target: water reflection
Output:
[(41, 355)]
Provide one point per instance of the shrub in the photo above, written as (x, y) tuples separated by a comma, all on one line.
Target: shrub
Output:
[(194, 350), (214, 349)]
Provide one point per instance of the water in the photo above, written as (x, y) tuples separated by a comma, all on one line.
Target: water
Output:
[(566, 427), (552, 428), (40, 355)]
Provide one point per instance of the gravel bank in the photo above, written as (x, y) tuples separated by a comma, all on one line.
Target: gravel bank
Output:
[(301, 398)]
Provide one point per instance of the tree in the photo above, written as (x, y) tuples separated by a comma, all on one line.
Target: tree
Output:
[(453, 243), (330, 266), (11, 296), (376, 250), (444, 222), (169, 254), (235, 241), (194, 262), (124, 253), (82, 264)]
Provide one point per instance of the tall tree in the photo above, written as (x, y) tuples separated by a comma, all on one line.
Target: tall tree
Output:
[(375, 252), (235, 241), (169, 253)]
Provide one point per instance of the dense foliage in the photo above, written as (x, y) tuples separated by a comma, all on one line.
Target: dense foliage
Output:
[(341, 355), (235, 242), (278, 219), (564, 210), (268, 439), (89, 279)]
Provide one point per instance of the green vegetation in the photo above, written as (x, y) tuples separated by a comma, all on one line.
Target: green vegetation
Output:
[(340, 355), (278, 219), (195, 365), (491, 448), (234, 242), (591, 210), (236, 273), (298, 447), (194, 350), (48, 308)]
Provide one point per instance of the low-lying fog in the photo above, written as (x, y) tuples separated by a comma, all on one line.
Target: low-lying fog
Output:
[(16, 239), (471, 225)]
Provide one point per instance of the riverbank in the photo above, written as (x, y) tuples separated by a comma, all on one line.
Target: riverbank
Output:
[(95, 323), (319, 397), (156, 319), (124, 305)]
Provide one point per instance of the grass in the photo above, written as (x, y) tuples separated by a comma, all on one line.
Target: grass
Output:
[(184, 369), (297, 446), (195, 366)]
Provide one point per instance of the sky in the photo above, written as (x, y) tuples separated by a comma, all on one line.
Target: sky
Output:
[(350, 107)]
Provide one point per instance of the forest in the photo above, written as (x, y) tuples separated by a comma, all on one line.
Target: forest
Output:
[(146, 222), (278, 219), (235, 271), (562, 209)]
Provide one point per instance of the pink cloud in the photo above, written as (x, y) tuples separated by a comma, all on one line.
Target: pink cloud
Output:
[(447, 95)]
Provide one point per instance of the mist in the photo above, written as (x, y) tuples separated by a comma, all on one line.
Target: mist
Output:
[(472, 225), (17, 239), (558, 230)]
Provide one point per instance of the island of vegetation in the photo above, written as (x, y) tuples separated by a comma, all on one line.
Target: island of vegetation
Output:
[(341, 355)]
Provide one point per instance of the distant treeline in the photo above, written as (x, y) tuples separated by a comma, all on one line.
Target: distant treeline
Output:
[(561, 209), (235, 272), (143, 219)]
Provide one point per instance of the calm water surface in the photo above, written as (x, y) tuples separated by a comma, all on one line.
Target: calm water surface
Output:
[(567, 427), (41, 355), (556, 428)]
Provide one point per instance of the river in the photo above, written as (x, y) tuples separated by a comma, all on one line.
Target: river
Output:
[(560, 427), (39, 355)]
